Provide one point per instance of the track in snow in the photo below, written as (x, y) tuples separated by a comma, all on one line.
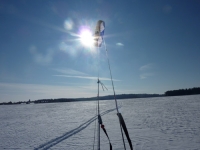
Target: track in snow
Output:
[(68, 134)]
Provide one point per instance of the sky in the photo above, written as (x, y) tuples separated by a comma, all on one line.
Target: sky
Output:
[(153, 46)]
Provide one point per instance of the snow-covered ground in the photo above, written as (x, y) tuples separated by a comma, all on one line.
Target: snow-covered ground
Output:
[(166, 123)]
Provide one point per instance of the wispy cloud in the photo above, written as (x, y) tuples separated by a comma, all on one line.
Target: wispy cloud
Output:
[(85, 77), (40, 58), (145, 75), (147, 67), (119, 44), (147, 71), (24, 92), (167, 9), (70, 72)]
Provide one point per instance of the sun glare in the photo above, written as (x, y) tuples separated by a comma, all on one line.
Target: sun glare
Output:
[(86, 38)]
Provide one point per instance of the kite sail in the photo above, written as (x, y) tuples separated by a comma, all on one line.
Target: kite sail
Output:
[(99, 32), (98, 38)]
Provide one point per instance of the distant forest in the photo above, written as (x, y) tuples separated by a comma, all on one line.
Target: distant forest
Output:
[(191, 91), (108, 97)]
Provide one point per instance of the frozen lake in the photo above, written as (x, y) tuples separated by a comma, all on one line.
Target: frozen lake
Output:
[(164, 123)]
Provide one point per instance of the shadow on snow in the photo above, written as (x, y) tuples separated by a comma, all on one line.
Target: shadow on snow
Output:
[(65, 136)]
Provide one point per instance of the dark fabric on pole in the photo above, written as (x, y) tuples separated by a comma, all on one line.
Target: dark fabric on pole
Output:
[(99, 119), (102, 126), (125, 129)]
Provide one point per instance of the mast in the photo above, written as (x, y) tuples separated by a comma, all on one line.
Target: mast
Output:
[(98, 145), (98, 109)]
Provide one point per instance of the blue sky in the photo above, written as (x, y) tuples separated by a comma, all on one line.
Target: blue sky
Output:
[(153, 46)]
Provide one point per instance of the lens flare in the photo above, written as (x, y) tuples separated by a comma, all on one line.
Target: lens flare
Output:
[(86, 37), (68, 24)]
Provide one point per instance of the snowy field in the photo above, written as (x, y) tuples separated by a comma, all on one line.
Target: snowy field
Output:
[(166, 123)]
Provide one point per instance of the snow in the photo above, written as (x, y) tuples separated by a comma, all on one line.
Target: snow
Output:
[(153, 123)]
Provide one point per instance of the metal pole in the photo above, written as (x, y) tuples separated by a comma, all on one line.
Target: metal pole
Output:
[(98, 146)]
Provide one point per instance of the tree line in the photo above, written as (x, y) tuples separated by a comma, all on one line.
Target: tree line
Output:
[(190, 91)]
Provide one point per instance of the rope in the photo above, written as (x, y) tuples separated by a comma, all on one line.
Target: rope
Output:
[(95, 128), (114, 92), (98, 147)]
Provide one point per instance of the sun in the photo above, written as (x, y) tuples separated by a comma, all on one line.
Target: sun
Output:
[(86, 37)]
